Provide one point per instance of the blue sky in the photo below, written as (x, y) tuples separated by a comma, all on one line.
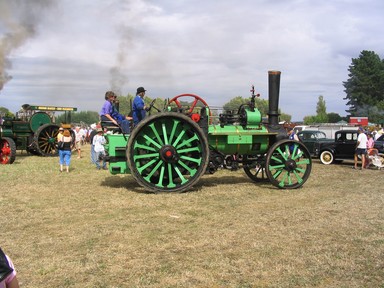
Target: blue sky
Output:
[(63, 52)]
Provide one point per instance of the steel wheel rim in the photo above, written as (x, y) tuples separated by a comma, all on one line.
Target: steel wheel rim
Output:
[(167, 153), (289, 164)]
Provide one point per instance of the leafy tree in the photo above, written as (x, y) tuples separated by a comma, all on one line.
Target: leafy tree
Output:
[(4, 112), (261, 104), (285, 117), (87, 117), (365, 86), (321, 111), (334, 117), (310, 120)]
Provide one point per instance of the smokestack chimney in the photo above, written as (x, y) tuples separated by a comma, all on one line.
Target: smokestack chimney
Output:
[(274, 90)]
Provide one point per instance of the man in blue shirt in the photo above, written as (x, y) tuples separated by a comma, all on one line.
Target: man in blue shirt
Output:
[(138, 106)]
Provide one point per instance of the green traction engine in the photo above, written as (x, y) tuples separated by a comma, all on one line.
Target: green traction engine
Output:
[(170, 151), (33, 130)]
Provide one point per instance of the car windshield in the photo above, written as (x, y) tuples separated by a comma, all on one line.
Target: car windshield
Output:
[(320, 135)]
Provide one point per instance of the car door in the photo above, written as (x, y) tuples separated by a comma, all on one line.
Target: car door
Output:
[(346, 147)]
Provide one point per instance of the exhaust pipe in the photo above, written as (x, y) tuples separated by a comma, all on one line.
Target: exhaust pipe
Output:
[(274, 90)]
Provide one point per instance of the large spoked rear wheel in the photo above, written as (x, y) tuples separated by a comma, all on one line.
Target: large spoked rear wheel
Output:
[(167, 152), (288, 164), (45, 140), (7, 150)]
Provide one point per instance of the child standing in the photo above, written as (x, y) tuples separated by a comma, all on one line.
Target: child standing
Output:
[(98, 142)]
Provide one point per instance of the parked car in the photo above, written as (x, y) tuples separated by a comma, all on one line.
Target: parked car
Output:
[(379, 144), (310, 137), (342, 148)]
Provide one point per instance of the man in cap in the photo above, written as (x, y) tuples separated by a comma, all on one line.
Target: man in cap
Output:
[(138, 106)]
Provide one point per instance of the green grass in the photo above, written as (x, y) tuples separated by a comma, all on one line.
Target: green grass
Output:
[(88, 228)]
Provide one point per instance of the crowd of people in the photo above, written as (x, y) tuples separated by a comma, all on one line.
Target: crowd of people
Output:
[(94, 134), (365, 147)]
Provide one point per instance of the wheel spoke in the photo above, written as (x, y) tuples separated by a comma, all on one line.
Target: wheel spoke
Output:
[(156, 133), (275, 167), (170, 177), (303, 162), (188, 141), (277, 173), (183, 179), (181, 135), (152, 141), (187, 150), (147, 165), (195, 160), (145, 156), (191, 171), (155, 169), (173, 131), (145, 147), (161, 177)]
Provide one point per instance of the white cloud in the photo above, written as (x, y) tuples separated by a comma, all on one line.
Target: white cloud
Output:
[(214, 49)]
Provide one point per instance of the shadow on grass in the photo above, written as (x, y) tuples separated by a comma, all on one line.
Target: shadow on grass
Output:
[(129, 183)]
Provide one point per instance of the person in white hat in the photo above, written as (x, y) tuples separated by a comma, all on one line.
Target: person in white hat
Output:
[(60, 134), (98, 142)]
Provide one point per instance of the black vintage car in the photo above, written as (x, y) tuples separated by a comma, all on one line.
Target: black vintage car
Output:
[(379, 144), (341, 148), (310, 137)]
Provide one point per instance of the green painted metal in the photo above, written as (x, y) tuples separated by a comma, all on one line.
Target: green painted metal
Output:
[(253, 117), (39, 119), (116, 147), (167, 153), (289, 164), (237, 139)]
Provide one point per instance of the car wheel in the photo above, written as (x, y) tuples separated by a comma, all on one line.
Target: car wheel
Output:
[(326, 157)]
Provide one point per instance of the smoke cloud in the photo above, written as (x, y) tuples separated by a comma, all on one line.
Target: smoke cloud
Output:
[(18, 23), (117, 76)]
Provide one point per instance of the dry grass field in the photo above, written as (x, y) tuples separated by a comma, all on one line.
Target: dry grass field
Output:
[(88, 228)]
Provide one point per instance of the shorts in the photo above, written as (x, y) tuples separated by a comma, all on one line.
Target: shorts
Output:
[(360, 151), (78, 145)]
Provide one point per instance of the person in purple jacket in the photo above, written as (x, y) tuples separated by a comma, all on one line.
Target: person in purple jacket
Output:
[(108, 113)]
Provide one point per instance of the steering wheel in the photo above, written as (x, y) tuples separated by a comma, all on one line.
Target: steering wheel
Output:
[(197, 99)]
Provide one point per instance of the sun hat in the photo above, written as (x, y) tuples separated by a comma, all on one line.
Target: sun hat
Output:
[(99, 130), (61, 129), (66, 133)]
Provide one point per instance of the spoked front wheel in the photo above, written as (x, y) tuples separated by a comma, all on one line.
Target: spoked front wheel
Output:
[(288, 164), (167, 152)]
